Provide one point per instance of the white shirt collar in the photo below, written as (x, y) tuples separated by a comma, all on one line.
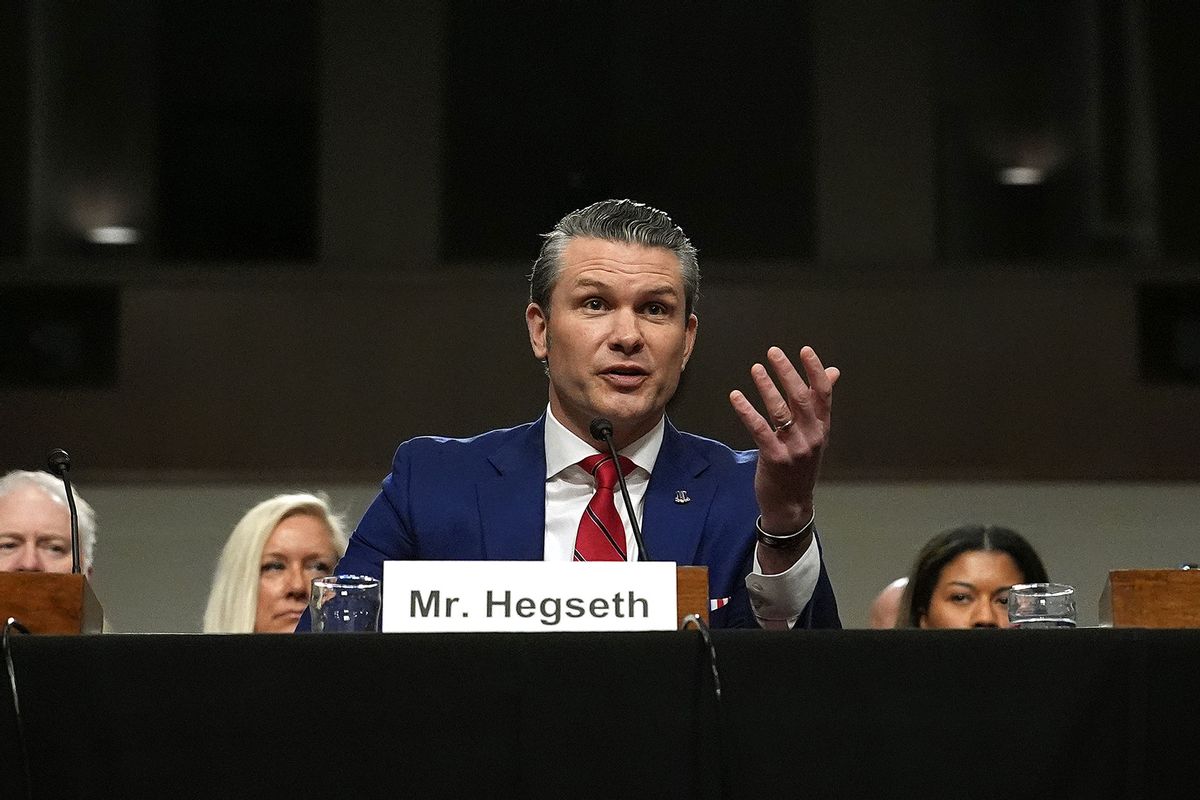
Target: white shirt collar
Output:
[(565, 449)]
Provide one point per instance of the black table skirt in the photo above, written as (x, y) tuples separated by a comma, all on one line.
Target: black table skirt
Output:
[(987, 714)]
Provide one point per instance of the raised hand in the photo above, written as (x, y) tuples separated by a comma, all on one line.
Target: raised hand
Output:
[(792, 436)]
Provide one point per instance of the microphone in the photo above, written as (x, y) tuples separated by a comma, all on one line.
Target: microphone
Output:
[(60, 464), (602, 430)]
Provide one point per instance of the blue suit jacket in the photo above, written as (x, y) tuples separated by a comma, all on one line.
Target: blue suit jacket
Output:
[(483, 498)]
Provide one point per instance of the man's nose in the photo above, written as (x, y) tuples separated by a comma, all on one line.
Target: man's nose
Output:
[(626, 333), (28, 560)]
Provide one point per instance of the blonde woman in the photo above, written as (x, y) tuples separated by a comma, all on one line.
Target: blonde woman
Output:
[(262, 580)]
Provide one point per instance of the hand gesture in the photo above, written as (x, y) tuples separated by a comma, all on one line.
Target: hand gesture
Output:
[(790, 444)]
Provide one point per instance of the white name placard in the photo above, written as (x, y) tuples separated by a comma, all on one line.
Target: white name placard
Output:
[(476, 596)]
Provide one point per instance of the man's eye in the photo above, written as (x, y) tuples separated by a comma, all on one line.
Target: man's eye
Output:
[(1002, 600), (656, 309)]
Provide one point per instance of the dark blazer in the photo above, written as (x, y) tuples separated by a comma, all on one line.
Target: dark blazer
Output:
[(483, 498)]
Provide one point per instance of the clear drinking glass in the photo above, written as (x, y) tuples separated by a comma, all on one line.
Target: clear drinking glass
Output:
[(345, 604), (1041, 605)]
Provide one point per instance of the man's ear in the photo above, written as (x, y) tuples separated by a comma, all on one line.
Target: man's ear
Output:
[(536, 322), (690, 338)]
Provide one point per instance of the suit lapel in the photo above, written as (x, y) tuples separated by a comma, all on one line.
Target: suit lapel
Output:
[(672, 529), (512, 503)]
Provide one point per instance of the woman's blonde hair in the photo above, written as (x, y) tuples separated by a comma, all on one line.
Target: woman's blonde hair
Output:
[(233, 600)]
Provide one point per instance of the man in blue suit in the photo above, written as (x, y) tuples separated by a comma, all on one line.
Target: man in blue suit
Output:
[(611, 315)]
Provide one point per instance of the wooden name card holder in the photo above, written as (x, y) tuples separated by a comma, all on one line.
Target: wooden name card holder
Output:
[(691, 592), (1151, 598), (46, 602)]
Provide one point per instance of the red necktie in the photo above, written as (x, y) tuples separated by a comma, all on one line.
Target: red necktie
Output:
[(601, 535)]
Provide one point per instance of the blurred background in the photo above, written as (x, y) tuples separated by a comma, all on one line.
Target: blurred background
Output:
[(252, 246)]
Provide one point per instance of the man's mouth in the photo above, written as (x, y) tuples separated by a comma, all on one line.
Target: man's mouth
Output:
[(625, 376)]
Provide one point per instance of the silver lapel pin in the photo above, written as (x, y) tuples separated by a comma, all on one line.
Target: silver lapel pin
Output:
[(681, 497)]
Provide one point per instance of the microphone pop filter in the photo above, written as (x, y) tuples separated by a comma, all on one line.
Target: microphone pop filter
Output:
[(58, 461), (601, 429)]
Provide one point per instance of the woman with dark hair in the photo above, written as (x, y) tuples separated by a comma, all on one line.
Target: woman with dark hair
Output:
[(961, 578)]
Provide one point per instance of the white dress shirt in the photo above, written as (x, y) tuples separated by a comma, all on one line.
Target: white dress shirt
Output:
[(777, 599)]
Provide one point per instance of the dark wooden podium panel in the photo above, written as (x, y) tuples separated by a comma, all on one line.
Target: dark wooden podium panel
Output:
[(1151, 598), (691, 592), (47, 602)]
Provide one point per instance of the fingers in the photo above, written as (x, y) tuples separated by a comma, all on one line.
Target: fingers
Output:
[(778, 409), (818, 378), (754, 423), (789, 399), (810, 396)]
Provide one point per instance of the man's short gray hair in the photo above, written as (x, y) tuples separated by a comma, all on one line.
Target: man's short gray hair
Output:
[(53, 488), (614, 221)]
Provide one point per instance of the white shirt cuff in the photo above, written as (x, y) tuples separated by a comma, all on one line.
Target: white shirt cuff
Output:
[(778, 600)]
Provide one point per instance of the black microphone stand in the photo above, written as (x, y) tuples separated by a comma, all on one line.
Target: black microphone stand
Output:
[(60, 465), (602, 430)]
